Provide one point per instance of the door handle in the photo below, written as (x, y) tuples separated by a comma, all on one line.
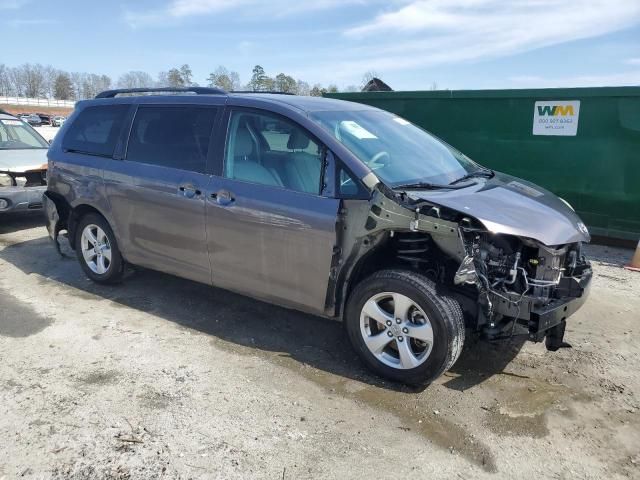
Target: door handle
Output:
[(223, 197), (189, 191)]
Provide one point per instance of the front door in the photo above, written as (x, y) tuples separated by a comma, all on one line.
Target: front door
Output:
[(270, 232), (157, 192)]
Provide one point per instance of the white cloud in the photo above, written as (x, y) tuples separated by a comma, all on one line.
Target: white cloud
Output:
[(179, 9), (428, 32), (182, 8), (633, 61)]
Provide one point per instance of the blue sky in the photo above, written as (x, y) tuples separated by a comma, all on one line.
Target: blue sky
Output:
[(410, 43)]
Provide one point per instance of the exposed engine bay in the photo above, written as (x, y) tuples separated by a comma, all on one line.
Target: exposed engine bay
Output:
[(506, 284), (516, 278)]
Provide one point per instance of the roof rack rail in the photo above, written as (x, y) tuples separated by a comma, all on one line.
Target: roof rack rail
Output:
[(263, 92), (196, 90)]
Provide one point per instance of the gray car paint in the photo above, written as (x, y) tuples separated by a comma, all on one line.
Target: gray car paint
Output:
[(158, 227), (269, 243), (509, 205)]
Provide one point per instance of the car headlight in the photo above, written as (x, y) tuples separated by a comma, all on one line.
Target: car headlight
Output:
[(567, 204), (583, 228), (5, 180)]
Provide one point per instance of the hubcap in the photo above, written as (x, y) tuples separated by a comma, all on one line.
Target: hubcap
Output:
[(396, 330), (96, 249)]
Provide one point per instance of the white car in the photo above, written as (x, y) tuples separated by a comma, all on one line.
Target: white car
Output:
[(23, 165)]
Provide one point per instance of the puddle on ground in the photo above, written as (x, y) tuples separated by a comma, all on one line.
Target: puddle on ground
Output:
[(18, 319), (521, 404), (403, 404)]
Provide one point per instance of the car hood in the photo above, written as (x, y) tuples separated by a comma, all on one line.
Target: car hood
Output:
[(510, 205), (22, 160)]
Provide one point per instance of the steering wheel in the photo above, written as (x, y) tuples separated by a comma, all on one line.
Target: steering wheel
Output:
[(377, 157)]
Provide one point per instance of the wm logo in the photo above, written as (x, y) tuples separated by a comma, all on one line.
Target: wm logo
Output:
[(555, 110)]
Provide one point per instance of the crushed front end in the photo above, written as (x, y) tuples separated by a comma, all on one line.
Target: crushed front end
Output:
[(523, 284), (22, 190)]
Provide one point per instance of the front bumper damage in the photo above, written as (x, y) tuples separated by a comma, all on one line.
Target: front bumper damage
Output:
[(20, 199), (525, 287), (22, 190), (542, 319)]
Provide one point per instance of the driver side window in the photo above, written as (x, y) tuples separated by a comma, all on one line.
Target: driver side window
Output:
[(267, 149)]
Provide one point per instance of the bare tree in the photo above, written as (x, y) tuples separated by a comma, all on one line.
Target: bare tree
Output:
[(63, 87), (35, 80), (163, 80), (302, 88), (174, 78), (50, 75), (317, 90), (223, 78), (6, 86), (135, 79), (94, 84), (187, 75), (29, 80)]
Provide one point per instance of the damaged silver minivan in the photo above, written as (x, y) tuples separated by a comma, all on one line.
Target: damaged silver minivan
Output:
[(325, 206), (23, 165)]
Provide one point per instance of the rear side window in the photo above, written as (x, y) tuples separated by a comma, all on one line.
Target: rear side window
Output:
[(95, 131), (175, 136)]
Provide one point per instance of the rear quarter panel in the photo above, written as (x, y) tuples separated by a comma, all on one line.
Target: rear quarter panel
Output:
[(78, 178)]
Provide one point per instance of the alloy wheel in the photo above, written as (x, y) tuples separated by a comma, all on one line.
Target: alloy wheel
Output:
[(96, 249), (396, 330)]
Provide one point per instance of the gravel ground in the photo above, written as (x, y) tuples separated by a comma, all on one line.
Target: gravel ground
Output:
[(164, 378)]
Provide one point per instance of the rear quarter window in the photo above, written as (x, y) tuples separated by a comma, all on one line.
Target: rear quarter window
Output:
[(95, 130)]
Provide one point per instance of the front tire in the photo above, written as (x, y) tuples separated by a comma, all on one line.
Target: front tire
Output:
[(97, 250), (402, 328)]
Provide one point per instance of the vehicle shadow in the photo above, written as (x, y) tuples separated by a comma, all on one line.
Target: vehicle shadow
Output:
[(480, 360), (240, 321), (14, 222)]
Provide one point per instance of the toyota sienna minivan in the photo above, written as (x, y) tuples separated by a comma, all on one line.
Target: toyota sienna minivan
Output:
[(324, 206)]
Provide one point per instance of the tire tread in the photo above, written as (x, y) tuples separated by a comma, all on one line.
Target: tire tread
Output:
[(448, 308)]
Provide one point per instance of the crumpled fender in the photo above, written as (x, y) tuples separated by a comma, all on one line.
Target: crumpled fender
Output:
[(54, 223)]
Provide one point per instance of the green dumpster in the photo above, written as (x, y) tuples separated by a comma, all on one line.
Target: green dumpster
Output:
[(581, 143)]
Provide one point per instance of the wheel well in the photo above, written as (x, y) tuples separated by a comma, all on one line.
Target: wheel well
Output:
[(401, 250), (74, 218)]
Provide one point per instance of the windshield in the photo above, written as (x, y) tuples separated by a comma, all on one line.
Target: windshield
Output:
[(17, 135), (396, 150)]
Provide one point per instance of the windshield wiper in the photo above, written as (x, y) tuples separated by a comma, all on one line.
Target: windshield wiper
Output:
[(484, 172), (424, 186)]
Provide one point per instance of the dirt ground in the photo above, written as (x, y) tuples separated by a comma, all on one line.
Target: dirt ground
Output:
[(17, 109), (165, 378)]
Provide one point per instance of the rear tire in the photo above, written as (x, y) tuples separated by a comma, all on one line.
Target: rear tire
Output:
[(97, 250), (402, 328)]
